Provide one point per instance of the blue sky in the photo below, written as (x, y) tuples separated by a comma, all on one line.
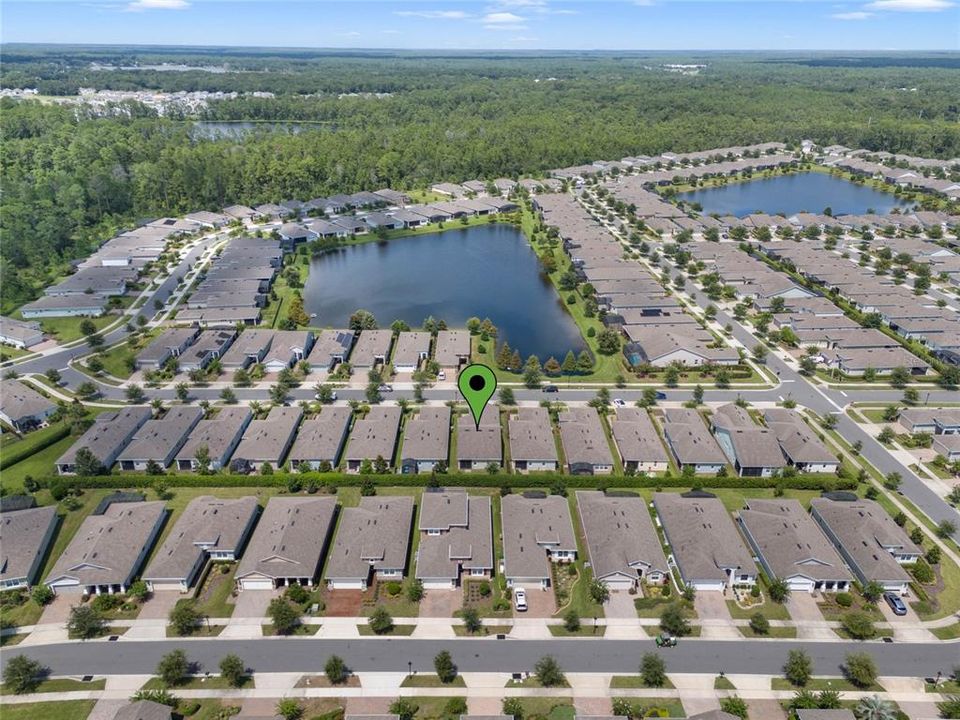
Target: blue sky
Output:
[(495, 24)]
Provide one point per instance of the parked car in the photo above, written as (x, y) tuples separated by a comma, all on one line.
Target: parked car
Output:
[(618, 402), (520, 599), (441, 375), (666, 640), (333, 397), (385, 388), (895, 603), (661, 395), (551, 388)]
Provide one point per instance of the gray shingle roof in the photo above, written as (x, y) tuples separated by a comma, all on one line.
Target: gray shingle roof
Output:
[(452, 346), (22, 536), (108, 434), (584, 441), (158, 438), (620, 535), (376, 534), (483, 445), (267, 440), (17, 401), (797, 440), (376, 434), (371, 346), (144, 710), (427, 436), (636, 437), (290, 538), (217, 433), (530, 526), (688, 436), (321, 438), (411, 347), (466, 539), (531, 435)]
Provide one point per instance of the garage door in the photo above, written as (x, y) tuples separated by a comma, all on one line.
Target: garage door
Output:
[(800, 585), (346, 585), (618, 585), (709, 586), (256, 584)]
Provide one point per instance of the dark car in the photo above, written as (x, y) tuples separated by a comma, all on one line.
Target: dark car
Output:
[(895, 603), (661, 395), (551, 388)]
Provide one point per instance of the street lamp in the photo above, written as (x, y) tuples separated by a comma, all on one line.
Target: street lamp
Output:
[(409, 667)]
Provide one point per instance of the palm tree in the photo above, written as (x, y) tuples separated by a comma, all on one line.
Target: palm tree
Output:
[(875, 708)]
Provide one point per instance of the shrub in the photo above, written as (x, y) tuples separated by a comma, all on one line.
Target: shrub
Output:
[(455, 706), (298, 594), (759, 624), (798, 668), (549, 673), (42, 595), (173, 667), (653, 670), (571, 620), (84, 622), (844, 599), (484, 589), (22, 674), (735, 706), (393, 588), (335, 669), (445, 667), (233, 670), (860, 669), (380, 621), (858, 625)]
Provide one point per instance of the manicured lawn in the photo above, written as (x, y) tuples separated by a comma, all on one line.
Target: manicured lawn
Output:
[(625, 682), (530, 682), (654, 630), (27, 613), (202, 631), (116, 360), (723, 683), (69, 710), (107, 631), (61, 685), (395, 630), (487, 630), (429, 680), (67, 329), (269, 631), (821, 683), (214, 682), (584, 631), (946, 687), (769, 609), (659, 707), (949, 632), (578, 587), (11, 640), (37, 465), (774, 632), (551, 708)]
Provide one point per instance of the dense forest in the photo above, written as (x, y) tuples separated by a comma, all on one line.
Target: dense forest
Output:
[(72, 177)]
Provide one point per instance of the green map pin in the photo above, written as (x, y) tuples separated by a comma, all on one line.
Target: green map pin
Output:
[(477, 384)]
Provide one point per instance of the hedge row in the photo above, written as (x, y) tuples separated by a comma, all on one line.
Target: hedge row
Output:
[(27, 447), (280, 479)]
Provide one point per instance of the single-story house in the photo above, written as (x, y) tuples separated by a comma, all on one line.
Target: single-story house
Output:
[(108, 435), (456, 538), (372, 541), (933, 421), (159, 440), (426, 440), (479, 447), (22, 407), (752, 450), (412, 348), (25, 536), (65, 306), (209, 528), (321, 439), (220, 435), (168, 344), (799, 443), (855, 361), (372, 349), (210, 345), (144, 710), (690, 442), (537, 532), (266, 442), (584, 443), (532, 447), (452, 348), (374, 436), (287, 348), (20, 334), (249, 348), (948, 446), (331, 347), (288, 544), (637, 441)]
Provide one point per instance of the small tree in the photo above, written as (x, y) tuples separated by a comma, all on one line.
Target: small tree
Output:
[(471, 620), (289, 709), (21, 674), (860, 669), (673, 622), (571, 620), (599, 591), (858, 625), (513, 706), (173, 667), (184, 618), (549, 673), (233, 670), (653, 670), (335, 669), (84, 622), (759, 624), (735, 706), (445, 667), (779, 591), (380, 621), (283, 615), (415, 590), (872, 592), (798, 668), (42, 595), (946, 528)]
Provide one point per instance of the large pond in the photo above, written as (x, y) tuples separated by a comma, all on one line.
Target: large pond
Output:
[(789, 194), (482, 271)]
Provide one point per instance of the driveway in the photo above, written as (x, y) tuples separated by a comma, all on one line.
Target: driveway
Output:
[(159, 605), (620, 605), (906, 628), (58, 611), (441, 603), (714, 616), (768, 709), (540, 603), (806, 614), (253, 603)]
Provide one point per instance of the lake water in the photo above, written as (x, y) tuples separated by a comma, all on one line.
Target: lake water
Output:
[(789, 194), (483, 271)]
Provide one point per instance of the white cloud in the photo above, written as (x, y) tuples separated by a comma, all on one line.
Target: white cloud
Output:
[(857, 15), (434, 14), (911, 5), (140, 5), (502, 18)]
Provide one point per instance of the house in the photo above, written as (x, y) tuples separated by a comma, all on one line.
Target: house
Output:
[(874, 547), (687, 345), (293, 234), (249, 348), (532, 448), (409, 218), (426, 440), (209, 529), (65, 306), (704, 543), (374, 436), (272, 211), (752, 450), (584, 443), (637, 441), (25, 537), (622, 544), (933, 421), (108, 435), (210, 345), (321, 439), (792, 547), (372, 349), (353, 225), (690, 442), (372, 542), (22, 407), (240, 212), (456, 538), (287, 348), (225, 317), (392, 197), (144, 710), (288, 544), (20, 334), (105, 281), (266, 442), (220, 435), (448, 189), (412, 348), (168, 344), (479, 447), (855, 361), (838, 714), (331, 347), (158, 441), (799, 443), (452, 348), (948, 446), (378, 220), (208, 219), (108, 549), (537, 532)]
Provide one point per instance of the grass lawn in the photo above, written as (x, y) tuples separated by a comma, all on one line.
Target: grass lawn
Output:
[(586, 631), (67, 329), (487, 630), (530, 682), (658, 707), (214, 682), (654, 630), (38, 465), (551, 708), (625, 682), (215, 594), (946, 687), (61, 685), (395, 630), (832, 611), (202, 631), (822, 683), (269, 631), (69, 710), (769, 609), (429, 680), (774, 632), (723, 683), (949, 632), (10, 640), (27, 613), (116, 360), (107, 631)]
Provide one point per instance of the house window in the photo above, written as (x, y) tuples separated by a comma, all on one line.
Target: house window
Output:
[(477, 571), (433, 533), (744, 578)]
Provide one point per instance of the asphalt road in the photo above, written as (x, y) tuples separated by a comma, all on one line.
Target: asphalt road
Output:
[(487, 655)]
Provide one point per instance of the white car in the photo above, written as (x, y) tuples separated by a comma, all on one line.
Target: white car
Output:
[(441, 375), (333, 397), (618, 402), (520, 599)]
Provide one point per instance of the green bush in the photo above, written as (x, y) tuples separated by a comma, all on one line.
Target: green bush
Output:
[(393, 588), (844, 599)]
